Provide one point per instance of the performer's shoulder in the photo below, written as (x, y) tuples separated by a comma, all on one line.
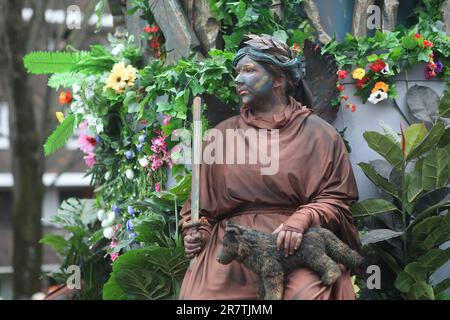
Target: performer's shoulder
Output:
[(228, 123), (322, 128)]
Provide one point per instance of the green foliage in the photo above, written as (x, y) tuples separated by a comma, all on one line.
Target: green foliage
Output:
[(79, 246), (40, 62), (60, 135), (414, 212)]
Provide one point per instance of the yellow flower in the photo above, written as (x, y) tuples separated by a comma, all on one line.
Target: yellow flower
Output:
[(121, 77), (380, 86), (358, 73), (355, 287), (60, 116)]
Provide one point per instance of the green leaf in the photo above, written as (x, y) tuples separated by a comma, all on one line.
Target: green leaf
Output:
[(378, 180), (414, 185), (372, 58), (435, 169), (385, 147), (112, 291), (442, 286), (430, 140), (421, 291), (60, 135), (63, 79), (378, 235), (414, 135), (372, 207), (423, 103), (41, 62), (412, 274), (281, 35), (430, 203), (430, 233), (57, 243), (444, 105), (388, 259), (434, 259)]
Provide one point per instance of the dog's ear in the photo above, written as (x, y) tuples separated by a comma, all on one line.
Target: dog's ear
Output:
[(233, 229)]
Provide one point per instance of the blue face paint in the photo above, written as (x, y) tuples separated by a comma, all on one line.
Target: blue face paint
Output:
[(253, 81)]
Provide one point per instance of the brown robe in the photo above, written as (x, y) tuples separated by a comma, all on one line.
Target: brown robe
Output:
[(314, 186)]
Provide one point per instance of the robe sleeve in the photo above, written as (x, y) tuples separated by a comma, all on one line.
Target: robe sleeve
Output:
[(330, 205)]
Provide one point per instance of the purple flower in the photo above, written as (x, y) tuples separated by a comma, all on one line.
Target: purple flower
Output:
[(141, 138), (116, 209), (439, 66), (128, 154), (130, 225), (98, 139), (139, 147), (133, 235), (131, 210)]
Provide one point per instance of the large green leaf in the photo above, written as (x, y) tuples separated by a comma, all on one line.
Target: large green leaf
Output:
[(414, 135), (385, 147), (388, 259), (378, 180), (442, 286), (430, 233), (372, 207), (430, 202), (413, 185), (434, 259), (435, 169), (444, 105), (57, 243), (413, 281), (40, 62), (60, 135), (75, 212), (148, 273), (378, 235), (423, 103), (149, 229), (112, 291), (430, 140)]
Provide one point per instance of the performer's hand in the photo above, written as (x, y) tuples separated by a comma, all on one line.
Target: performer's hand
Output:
[(289, 240), (193, 243)]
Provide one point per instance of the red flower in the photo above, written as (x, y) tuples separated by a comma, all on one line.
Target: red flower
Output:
[(353, 108), (418, 36), (377, 66), (427, 44), (65, 97), (345, 98), (340, 87), (342, 74), (149, 29), (296, 47), (154, 43), (362, 82)]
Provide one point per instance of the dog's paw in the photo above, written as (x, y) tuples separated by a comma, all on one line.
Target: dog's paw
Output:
[(330, 277)]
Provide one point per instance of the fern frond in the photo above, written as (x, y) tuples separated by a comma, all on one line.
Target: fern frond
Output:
[(43, 62), (64, 79), (60, 135)]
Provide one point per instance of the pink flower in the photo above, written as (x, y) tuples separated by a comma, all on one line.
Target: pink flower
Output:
[(156, 162), (114, 256), (159, 144), (89, 158), (157, 187), (168, 159), (166, 120), (87, 143)]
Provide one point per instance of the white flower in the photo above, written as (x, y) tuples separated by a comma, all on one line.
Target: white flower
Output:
[(377, 96), (385, 70), (101, 215), (75, 88), (111, 217), (108, 176), (106, 223), (143, 162), (108, 232), (129, 173)]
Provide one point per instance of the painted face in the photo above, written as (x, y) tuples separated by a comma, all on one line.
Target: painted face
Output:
[(253, 82)]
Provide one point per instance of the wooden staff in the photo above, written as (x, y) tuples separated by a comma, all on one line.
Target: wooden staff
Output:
[(196, 159)]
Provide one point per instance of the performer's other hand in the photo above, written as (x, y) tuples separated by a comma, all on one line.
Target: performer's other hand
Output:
[(289, 240), (193, 243)]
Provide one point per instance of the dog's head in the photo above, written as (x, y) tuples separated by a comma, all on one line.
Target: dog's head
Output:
[(231, 249)]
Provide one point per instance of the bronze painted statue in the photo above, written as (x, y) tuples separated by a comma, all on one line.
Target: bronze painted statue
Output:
[(313, 184)]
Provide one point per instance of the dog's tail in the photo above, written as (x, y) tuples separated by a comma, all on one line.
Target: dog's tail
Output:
[(339, 251)]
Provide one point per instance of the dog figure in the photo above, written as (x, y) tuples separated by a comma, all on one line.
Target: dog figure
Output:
[(320, 250)]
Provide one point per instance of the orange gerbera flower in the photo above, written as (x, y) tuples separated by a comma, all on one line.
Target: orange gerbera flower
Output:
[(380, 86)]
